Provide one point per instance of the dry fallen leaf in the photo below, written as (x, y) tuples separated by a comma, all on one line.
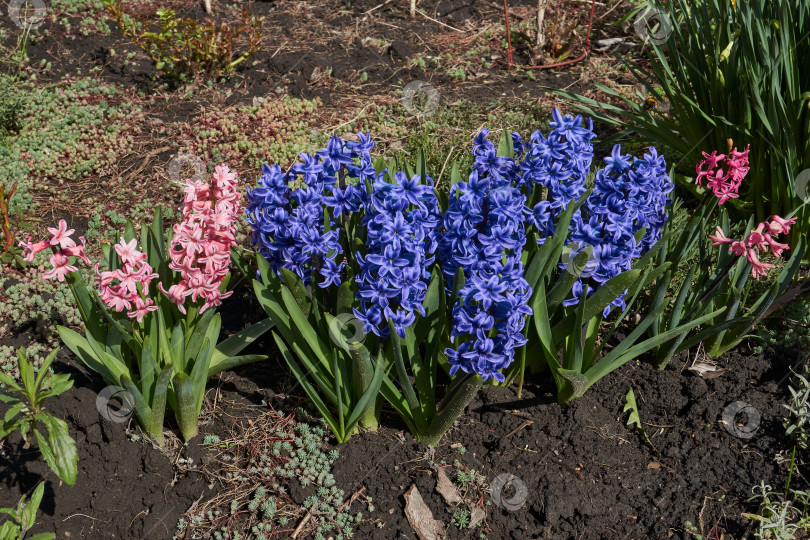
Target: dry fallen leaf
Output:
[(446, 488), (477, 516), (420, 517)]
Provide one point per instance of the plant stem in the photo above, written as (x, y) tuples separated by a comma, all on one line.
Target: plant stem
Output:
[(463, 394)]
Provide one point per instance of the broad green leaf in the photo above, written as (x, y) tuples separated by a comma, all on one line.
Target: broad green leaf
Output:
[(59, 450)]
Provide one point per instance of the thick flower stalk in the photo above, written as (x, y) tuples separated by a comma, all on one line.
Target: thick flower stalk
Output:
[(401, 219), (484, 235), (201, 248), (723, 174), (760, 240), (288, 224)]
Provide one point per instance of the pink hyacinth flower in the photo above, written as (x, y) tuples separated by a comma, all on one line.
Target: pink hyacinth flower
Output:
[(758, 268), (142, 308), (128, 251), (61, 267), (720, 237), (61, 236), (177, 294), (30, 249), (779, 225)]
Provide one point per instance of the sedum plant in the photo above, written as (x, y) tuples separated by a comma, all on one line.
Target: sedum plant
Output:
[(27, 410), (435, 283), (22, 518), (151, 326)]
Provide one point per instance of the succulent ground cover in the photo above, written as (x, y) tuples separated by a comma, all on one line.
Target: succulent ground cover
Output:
[(92, 132)]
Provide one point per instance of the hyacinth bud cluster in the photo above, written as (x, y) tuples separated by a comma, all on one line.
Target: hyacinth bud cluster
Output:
[(723, 174), (401, 220), (484, 234), (288, 224), (628, 195), (201, 248)]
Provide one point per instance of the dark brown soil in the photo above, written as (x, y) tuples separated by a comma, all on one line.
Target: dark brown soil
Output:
[(587, 475)]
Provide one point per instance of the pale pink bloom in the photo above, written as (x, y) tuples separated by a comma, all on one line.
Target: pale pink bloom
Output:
[(114, 300), (200, 249), (61, 236), (30, 249), (738, 248), (142, 307), (77, 251), (128, 251), (223, 175), (61, 267), (177, 294), (775, 246), (756, 238), (196, 190)]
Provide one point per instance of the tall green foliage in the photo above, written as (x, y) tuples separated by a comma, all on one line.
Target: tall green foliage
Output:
[(728, 70)]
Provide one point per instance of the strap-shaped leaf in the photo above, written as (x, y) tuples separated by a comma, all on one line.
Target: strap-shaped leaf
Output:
[(158, 408), (109, 368), (402, 376), (506, 146), (310, 391), (551, 250), (301, 327), (298, 291), (142, 408), (603, 367), (369, 397), (565, 282), (186, 405), (199, 374), (234, 344)]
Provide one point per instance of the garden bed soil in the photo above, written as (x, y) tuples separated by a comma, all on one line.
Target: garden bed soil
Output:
[(322, 49), (586, 474)]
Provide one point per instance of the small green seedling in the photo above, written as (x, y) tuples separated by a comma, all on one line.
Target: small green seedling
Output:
[(26, 401)]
